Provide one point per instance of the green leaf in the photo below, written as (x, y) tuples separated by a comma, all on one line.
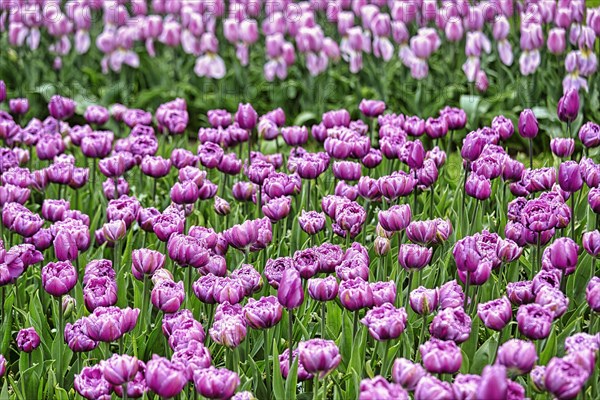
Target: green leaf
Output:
[(278, 385), (483, 355), (549, 349), (292, 381)]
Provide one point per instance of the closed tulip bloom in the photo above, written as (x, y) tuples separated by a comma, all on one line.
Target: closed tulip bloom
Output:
[(263, 313), (278, 208), (323, 289), (423, 301), (216, 383), (54, 210), (319, 356), (478, 186), (27, 224), (188, 251), (537, 378), (436, 127), (451, 324), (61, 108), (91, 384), (290, 292), (312, 222), (553, 300), (562, 147), (407, 373), (28, 340), (383, 292), (155, 166), (594, 199), (591, 243), (228, 289), (146, 262), (120, 369), (534, 321), (528, 124), (564, 379), (508, 251), (518, 356), (441, 357), (59, 278), (495, 314), (563, 254), (556, 40), (589, 134), (422, 232), (229, 331), (413, 257), (355, 294), (347, 170), (520, 292), (569, 176), (100, 291), (167, 296), (65, 246), (592, 294), (398, 184), (493, 384), (380, 388), (184, 193), (294, 135), (503, 126), (385, 322), (568, 106), (371, 108), (451, 295), (164, 378), (396, 218), (246, 117)]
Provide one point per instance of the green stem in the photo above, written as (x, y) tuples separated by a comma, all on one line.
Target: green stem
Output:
[(59, 333), (267, 352), (189, 287), (531, 153), (355, 324), (573, 216), (467, 283), (323, 317), (290, 337), (316, 387)]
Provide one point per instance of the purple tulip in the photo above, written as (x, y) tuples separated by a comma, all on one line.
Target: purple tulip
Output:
[(568, 106), (264, 313), (407, 373), (528, 124), (323, 289), (396, 218), (371, 108), (534, 321), (383, 292), (168, 296), (120, 369), (562, 147), (478, 186), (28, 340), (146, 262), (164, 377), (569, 176), (493, 384), (589, 134), (563, 254), (451, 324), (229, 331), (441, 357), (216, 383), (423, 301), (592, 294), (91, 384), (495, 314), (355, 294), (59, 278), (518, 356), (76, 337), (290, 292), (413, 257), (564, 379), (380, 388), (246, 117), (319, 356), (312, 222), (61, 108), (385, 322)]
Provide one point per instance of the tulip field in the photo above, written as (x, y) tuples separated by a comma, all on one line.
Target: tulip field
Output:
[(324, 199)]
